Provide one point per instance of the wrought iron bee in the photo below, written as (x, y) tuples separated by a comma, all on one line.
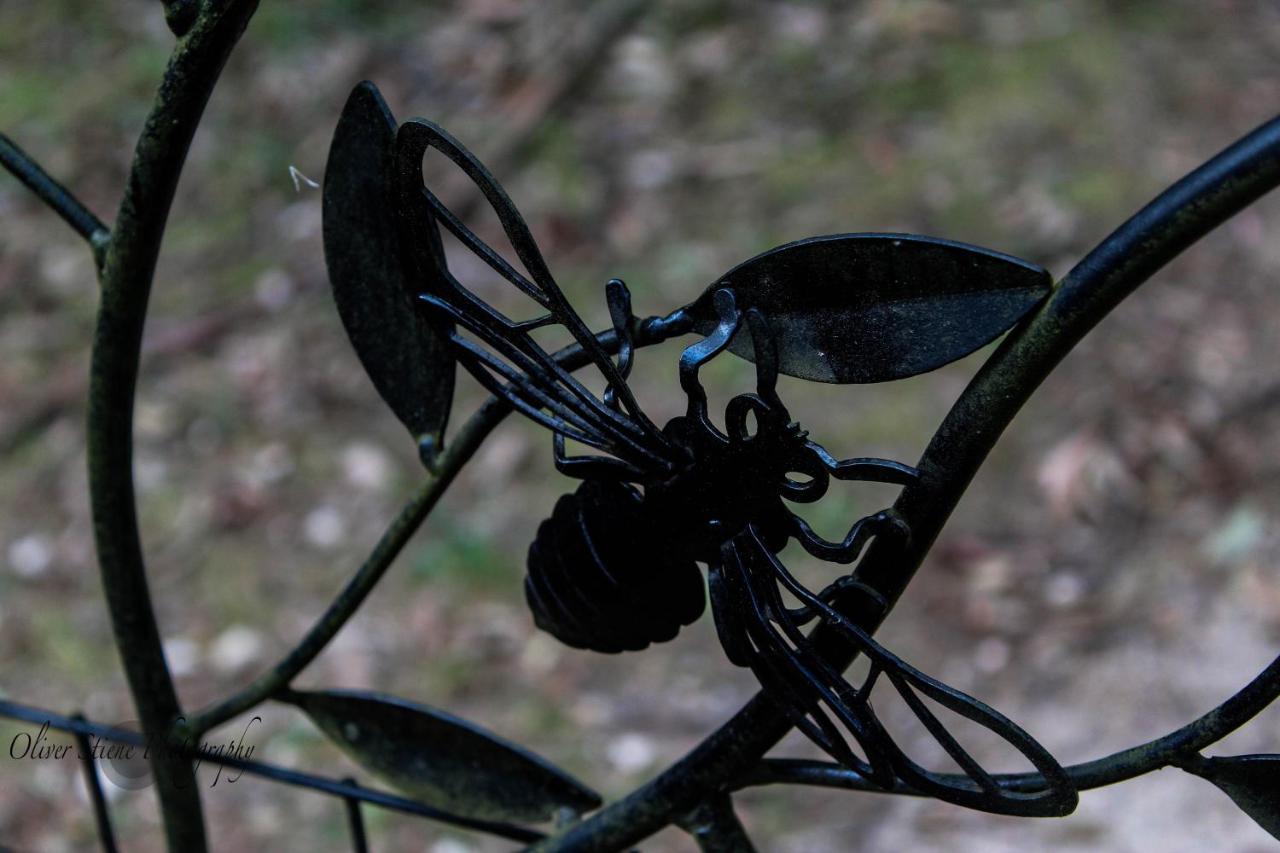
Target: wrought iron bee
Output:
[(616, 565)]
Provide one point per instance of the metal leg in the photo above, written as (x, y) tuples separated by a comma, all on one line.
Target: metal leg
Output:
[(866, 468), (591, 467), (618, 299), (766, 355), (698, 354), (885, 522)]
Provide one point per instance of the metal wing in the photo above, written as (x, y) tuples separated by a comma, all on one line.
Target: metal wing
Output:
[(759, 631), (498, 351)]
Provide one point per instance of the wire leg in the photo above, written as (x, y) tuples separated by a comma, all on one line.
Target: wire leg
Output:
[(591, 467), (698, 354)]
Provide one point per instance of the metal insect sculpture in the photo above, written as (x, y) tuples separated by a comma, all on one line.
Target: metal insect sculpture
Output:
[(616, 566)]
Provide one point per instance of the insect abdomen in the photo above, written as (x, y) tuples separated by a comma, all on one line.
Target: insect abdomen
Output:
[(600, 579)]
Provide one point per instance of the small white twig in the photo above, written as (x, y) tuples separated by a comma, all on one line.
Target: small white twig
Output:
[(299, 179)]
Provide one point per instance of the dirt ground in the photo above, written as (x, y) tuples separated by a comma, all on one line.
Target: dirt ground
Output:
[(1111, 574)]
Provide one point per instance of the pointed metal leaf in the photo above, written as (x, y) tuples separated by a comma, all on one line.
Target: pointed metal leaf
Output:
[(854, 308), (411, 366), (1252, 781), (442, 760)]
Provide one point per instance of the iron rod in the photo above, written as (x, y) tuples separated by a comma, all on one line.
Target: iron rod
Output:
[(101, 813), (355, 820), (40, 716), (55, 196)]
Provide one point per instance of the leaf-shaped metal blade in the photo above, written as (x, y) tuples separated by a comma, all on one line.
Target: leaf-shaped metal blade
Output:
[(411, 366), (855, 308), (442, 760), (1252, 781)]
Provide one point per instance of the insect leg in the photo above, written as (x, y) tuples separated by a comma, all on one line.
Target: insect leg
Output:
[(882, 523), (696, 355), (846, 551), (619, 300), (867, 469), (766, 355), (591, 467)]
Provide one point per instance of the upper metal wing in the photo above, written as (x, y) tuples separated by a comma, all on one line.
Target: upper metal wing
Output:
[(499, 351)]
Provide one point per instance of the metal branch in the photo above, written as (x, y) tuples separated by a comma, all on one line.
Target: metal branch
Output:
[(366, 577), (344, 788), (127, 272), (57, 197)]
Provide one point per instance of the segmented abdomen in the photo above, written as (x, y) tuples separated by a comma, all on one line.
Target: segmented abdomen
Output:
[(600, 579)]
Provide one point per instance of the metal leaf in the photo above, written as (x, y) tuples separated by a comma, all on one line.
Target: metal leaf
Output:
[(442, 760), (411, 366), (854, 308), (1252, 781)]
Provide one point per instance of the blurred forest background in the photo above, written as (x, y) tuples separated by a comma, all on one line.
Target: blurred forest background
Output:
[(1111, 575)]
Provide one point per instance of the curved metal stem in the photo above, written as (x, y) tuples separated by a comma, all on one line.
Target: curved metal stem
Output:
[(346, 603), (127, 272)]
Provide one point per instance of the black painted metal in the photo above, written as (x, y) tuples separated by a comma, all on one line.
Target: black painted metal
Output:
[(355, 821), (101, 811), (407, 362), (79, 726), (616, 567)]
